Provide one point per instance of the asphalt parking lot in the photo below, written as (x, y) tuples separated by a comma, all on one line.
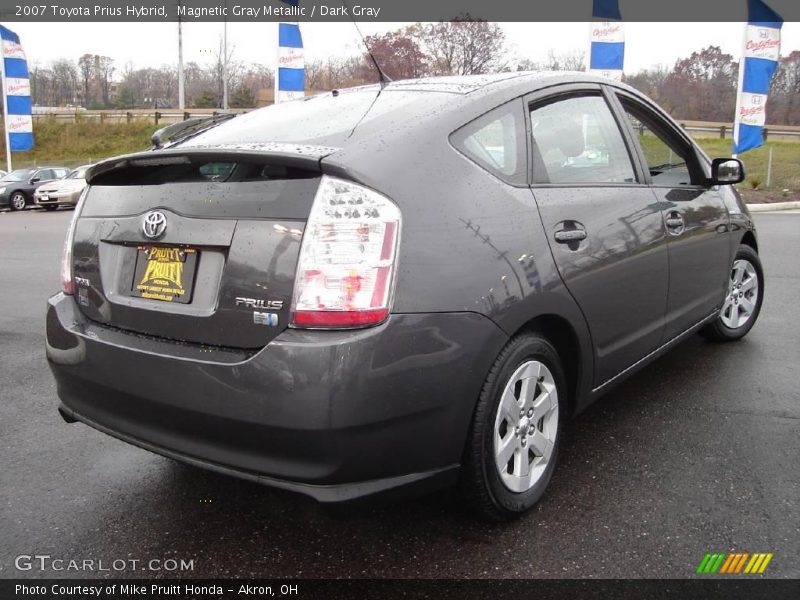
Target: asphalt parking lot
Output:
[(697, 453)]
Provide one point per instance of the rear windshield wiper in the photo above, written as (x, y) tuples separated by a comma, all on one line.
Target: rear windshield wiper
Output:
[(186, 129)]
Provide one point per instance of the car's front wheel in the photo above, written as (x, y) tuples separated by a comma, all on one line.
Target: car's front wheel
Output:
[(513, 441), (743, 299), (17, 201)]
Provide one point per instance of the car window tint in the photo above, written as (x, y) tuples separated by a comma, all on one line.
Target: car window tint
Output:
[(61, 173), (44, 174), (577, 140), (494, 142), (666, 159)]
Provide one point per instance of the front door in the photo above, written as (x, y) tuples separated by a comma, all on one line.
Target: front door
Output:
[(695, 217)]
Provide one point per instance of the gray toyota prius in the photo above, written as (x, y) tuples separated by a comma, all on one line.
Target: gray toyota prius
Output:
[(395, 287)]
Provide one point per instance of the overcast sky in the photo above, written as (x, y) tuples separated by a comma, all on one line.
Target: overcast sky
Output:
[(154, 44)]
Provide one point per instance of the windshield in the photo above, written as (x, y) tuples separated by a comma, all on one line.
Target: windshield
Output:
[(77, 174), (19, 175)]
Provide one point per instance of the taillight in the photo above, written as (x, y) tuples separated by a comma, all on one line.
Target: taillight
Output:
[(347, 258), (67, 285)]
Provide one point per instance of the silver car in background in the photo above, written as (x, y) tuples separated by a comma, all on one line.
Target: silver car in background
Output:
[(62, 192)]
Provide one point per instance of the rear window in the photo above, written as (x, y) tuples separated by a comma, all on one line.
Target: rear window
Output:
[(186, 169), (325, 119)]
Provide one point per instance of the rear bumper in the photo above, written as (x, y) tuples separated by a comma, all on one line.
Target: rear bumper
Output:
[(332, 414)]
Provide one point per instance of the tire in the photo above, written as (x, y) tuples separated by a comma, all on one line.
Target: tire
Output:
[(50, 207), (497, 495), (742, 301), (17, 201)]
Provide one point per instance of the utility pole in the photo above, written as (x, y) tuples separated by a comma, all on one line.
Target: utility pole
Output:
[(181, 93), (225, 61)]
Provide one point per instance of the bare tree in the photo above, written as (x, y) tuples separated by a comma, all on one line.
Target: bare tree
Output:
[(86, 67), (463, 46), (104, 71), (65, 81), (568, 61)]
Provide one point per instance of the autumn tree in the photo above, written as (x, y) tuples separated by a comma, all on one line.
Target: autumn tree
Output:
[(398, 54), (702, 86)]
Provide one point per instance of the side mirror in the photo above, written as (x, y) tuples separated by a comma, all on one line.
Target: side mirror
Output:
[(36, 179), (726, 171)]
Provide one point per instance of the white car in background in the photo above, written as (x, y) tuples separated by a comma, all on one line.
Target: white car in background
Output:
[(62, 192)]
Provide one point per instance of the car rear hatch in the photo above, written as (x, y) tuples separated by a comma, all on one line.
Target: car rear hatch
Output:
[(197, 246)]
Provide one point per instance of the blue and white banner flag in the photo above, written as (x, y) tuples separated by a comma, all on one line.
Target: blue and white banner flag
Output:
[(762, 47), (607, 51), (17, 90), (291, 74)]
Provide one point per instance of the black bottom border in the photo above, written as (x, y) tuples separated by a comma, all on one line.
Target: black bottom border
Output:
[(462, 589)]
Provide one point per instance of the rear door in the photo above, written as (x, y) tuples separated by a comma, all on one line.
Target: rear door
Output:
[(695, 217), (199, 249), (602, 222)]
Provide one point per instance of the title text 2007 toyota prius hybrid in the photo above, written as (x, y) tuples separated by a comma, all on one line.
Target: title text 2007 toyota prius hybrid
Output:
[(398, 286)]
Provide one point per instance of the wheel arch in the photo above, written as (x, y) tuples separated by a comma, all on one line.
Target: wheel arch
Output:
[(749, 239), (560, 332)]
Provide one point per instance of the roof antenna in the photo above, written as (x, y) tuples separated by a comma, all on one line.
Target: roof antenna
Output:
[(382, 77)]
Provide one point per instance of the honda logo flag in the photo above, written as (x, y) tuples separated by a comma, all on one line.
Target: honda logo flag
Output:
[(762, 46), (290, 72), (607, 50)]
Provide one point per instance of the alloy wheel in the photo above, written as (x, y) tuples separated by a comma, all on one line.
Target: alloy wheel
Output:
[(18, 201), (526, 426), (742, 298)]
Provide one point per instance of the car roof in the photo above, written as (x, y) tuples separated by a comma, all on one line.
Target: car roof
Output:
[(496, 82)]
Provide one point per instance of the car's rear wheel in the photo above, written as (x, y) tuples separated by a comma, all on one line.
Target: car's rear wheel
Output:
[(513, 441), (17, 201), (742, 300)]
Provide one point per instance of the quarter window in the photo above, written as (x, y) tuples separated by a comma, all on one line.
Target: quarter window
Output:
[(495, 142), (577, 140)]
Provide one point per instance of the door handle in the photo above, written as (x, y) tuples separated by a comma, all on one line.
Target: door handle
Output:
[(564, 236), (675, 222)]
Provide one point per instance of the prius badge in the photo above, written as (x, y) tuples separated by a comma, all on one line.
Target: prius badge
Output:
[(154, 224), (262, 318)]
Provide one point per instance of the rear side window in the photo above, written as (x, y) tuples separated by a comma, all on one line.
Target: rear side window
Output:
[(496, 142), (577, 140)]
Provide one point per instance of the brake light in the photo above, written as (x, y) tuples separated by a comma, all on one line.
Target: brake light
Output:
[(67, 285), (347, 258)]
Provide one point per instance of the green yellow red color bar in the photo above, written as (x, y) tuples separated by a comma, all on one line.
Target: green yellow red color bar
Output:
[(734, 563)]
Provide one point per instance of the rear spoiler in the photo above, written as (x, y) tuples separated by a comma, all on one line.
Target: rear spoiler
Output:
[(301, 156)]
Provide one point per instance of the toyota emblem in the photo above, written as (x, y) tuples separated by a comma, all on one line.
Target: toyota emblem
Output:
[(154, 224)]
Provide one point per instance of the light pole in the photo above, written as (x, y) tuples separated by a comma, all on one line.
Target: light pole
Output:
[(181, 93)]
